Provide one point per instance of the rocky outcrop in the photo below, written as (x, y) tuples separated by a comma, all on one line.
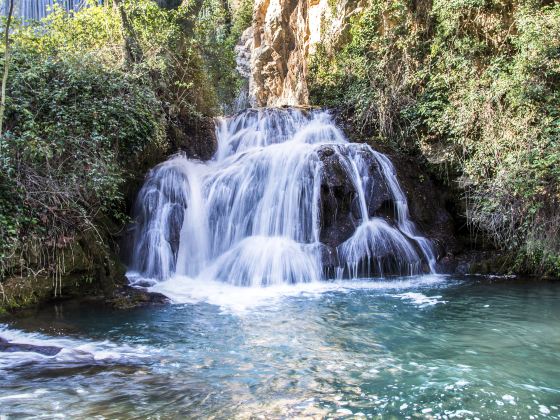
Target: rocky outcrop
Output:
[(11, 347), (339, 216), (194, 136), (430, 204), (273, 53), (279, 52), (340, 209), (89, 269)]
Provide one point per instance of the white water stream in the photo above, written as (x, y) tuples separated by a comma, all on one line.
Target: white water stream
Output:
[(253, 215)]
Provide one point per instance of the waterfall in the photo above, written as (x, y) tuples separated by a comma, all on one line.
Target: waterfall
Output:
[(38, 9), (286, 199)]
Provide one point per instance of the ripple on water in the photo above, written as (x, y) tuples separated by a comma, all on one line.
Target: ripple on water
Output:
[(371, 348)]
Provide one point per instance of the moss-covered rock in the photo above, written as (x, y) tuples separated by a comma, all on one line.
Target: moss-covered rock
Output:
[(101, 277)]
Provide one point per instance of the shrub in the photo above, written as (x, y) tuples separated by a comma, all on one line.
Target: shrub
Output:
[(75, 130), (81, 120), (474, 86)]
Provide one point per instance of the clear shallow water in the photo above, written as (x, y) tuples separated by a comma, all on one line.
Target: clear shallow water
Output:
[(421, 347)]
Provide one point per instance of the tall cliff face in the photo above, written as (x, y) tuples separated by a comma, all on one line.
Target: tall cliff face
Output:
[(273, 53), (280, 45)]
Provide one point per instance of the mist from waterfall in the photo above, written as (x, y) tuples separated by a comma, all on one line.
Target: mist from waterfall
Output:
[(255, 215)]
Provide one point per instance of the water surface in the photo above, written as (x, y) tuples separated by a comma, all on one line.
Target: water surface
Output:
[(429, 346)]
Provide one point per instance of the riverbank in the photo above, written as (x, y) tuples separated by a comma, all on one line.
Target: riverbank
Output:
[(24, 295)]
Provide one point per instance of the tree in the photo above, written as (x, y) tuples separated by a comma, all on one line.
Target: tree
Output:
[(131, 46), (6, 62), (190, 11)]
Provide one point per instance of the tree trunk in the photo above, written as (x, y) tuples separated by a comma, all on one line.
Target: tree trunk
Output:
[(227, 16), (6, 64), (131, 47)]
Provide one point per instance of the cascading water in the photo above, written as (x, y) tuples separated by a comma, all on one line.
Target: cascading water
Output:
[(286, 199)]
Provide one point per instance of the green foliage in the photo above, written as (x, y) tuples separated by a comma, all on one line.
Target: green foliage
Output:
[(474, 86), (377, 73), (74, 130), (218, 31), (92, 31), (82, 121), (173, 60), (242, 19)]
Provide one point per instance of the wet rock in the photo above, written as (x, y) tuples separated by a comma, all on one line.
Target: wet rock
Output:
[(483, 262), (128, 297), (378, 197), (428, 205), (330, 261), (9, 347), (340, 206), (329, 256), (100, 278), (338, 194), (194, 136), (432, 205)]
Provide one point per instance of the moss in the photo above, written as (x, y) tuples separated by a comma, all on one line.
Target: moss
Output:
[(101, 278)]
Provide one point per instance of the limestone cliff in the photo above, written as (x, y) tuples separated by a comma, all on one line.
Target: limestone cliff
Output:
[(280, 43), (273, 53)]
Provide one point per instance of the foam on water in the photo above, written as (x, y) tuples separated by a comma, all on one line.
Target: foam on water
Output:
[(237, 300), (317, 349), (72, 350), (420, 299)]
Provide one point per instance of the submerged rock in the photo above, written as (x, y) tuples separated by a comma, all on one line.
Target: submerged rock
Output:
[(10, 347), (128, 297)]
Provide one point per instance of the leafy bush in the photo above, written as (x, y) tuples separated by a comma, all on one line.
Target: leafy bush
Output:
[(82, 120), (74, 133), (218, 31), (172, 59)]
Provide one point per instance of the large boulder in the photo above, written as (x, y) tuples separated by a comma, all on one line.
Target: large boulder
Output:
[(339, 217), (340, 205)]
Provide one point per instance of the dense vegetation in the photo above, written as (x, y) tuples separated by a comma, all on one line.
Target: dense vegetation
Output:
[(474, 87), (91, 97), (94, 98)]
